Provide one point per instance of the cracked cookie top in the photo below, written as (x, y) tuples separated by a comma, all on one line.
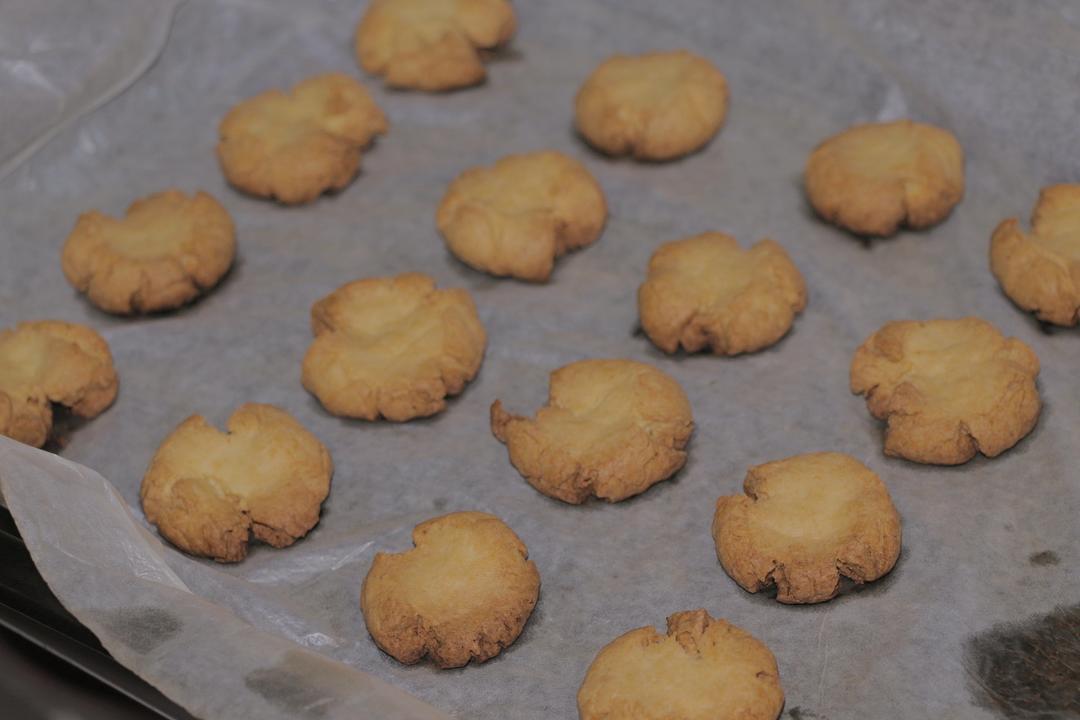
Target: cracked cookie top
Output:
[(464, 592), (873, 178), (392, 347), (611, 429), (803, 522), (947, 389), (703, 668), (209, 491)]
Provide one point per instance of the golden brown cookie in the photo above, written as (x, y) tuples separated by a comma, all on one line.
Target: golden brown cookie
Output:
[(873, 178), (805, 521), (656, 106), (209, 491), (1040, 270), (702, 669), (516, 216), (432, 44), (167, 250), (706, 291), (464, 592), (947, 388), (47, 362), (295, 146), (611, 429), (392, 348)]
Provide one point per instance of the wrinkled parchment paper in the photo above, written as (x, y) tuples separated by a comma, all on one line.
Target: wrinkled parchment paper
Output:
[(281, 635)]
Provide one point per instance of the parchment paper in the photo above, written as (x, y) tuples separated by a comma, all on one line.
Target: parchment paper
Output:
[(281, 635)]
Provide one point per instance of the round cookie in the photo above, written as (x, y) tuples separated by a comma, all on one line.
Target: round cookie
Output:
[(47, 362), (464, 592), (805, 521), (611, 429), (656, 106), (168, 249), (1040, 271), (702, 669), (947, 388), (295, 146), (873, 178), (432, 44), (517, 216), (209, 491), (706, 291), (392, 348)]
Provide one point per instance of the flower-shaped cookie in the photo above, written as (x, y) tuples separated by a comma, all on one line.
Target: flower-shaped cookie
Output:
[(167, 250), (706, 291), (702, 669), (656, 106), (48, 362), (209, 491), (611, 429), (464, 592), (432, 44), (295, 146), (392, 347), (947, 388), (515, 217), (1040, 271), (873, 178), (805, 521)]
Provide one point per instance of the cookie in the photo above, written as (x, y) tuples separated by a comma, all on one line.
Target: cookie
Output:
[(873, 178), (50, 362), (464, 592), (805, 521), (707, 292), (1040, 270), (209, 491), (656, 106), (432, 44), (611, 429), (295, 146), (947, 389), (702, 669), (168, 249), (517, 216), (392, 347)]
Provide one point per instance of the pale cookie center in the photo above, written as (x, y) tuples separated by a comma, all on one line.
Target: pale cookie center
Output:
[(674, 683), (811, 511), (23, 359), (717, 277), (515, 193), (390, 340), (892, 156), (952, 373), (1060, 234), (287, 121), (239, 467), (151, 234), (453, 573), (416, 13), (648, 85), (600, 420)]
